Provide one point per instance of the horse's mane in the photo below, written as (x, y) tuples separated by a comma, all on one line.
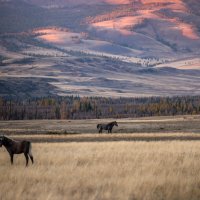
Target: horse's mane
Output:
[(8, 140), (112, 122)]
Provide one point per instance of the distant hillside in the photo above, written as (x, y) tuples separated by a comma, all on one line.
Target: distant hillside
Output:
[(194, 9), (99, 47), (71, 3), (17, 16)]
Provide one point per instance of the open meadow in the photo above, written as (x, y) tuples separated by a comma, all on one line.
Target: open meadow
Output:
[(108, 170), (176, 124), (147, 158)]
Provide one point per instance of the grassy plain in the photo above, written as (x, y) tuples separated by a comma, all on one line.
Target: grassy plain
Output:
[(106, 170), (148, 158), (176, 124)]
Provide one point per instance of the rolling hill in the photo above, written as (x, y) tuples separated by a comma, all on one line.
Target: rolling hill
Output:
[(99, 48)]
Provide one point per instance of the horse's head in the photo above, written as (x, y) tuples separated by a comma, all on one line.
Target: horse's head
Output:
[(1, 140), (115, 123)]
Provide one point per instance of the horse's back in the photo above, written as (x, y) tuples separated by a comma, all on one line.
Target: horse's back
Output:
[(21, 146)]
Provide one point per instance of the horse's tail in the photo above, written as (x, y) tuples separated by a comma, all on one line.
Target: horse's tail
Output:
[(98, 126), (30, 149)]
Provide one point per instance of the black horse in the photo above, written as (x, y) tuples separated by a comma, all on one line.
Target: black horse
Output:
[(17, 147), (108, 126)]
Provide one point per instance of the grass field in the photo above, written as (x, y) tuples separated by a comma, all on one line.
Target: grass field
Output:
[(112, 170), (176, 124), (149, 158)]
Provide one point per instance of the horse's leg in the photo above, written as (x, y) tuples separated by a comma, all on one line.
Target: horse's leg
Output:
[(11, 158), (31, 157), (30, 153), (26, 156)]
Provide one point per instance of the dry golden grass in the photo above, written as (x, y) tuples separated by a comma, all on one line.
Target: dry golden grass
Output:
[(167, 124), (107, 170), (105, 137)]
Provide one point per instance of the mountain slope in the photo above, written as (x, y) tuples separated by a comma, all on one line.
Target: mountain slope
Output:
[(100, 47)]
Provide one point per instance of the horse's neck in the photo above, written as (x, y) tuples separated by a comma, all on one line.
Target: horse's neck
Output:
[(111, 124), (8, 142)]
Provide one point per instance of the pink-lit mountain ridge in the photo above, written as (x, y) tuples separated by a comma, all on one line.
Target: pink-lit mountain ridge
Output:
[(100, 47)]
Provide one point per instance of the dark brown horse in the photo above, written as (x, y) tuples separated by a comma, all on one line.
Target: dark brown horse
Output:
[(108, 126), (17, 147)]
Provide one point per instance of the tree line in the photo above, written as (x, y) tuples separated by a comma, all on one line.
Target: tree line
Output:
[(75, 107)]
